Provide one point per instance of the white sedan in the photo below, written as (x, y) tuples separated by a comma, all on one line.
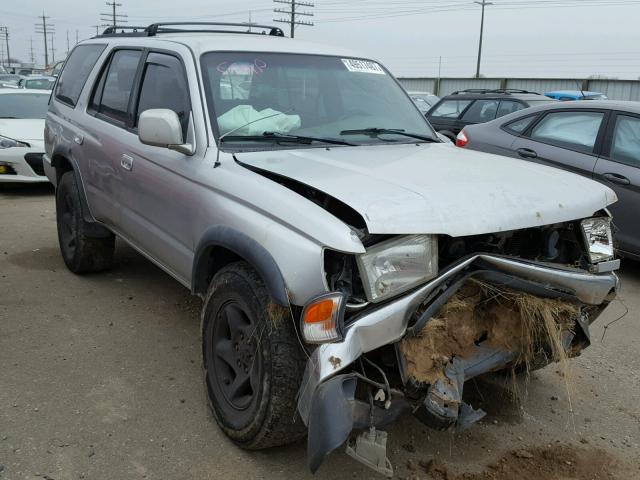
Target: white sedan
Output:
[(22, 114)]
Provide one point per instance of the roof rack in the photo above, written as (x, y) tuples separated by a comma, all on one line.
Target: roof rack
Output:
[(505, 91), (121, 30), (202, 27)]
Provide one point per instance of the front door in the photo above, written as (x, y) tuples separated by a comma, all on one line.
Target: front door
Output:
[(158, 187), (619, 168)]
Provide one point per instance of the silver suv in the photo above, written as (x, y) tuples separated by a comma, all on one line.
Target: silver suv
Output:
[(353, 266)]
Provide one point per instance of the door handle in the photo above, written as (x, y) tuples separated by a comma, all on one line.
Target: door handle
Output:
[(126, 162), (527, 153), (615, 178)]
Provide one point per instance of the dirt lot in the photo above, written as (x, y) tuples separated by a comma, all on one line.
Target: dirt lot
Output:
[(100, 379)]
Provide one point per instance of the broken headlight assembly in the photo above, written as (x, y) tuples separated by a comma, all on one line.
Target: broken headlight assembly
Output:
[(598, 238), (397, 265)]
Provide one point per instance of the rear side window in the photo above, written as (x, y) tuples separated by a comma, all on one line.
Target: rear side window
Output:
[(76, 71), (573, 130), (450, 108), (509, 106), (111, 97), (481, 111), (520, 125), (164, 85), (625, 146)]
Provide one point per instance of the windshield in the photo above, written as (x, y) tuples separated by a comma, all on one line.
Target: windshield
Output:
[(24, 105), (39, 83), (306, 95)]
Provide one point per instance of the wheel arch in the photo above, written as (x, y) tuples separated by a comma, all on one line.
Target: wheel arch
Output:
[(221, 245), (62, 163)]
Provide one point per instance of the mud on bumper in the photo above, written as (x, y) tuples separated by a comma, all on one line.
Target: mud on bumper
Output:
[(326, 400)]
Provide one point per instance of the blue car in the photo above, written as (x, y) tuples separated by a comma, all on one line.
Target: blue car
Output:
[(564, 95)]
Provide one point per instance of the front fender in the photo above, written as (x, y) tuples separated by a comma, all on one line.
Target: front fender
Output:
[(243, 246)]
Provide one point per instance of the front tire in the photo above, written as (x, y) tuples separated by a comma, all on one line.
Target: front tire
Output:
[(81, 253), (253, 363)]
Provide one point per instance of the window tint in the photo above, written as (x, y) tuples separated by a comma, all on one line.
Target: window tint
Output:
[(509, 106), (520, 125), (574, 130), (451, 108), (625, 146), (114, 89), (76, 71), (481, 111), (164, 86)]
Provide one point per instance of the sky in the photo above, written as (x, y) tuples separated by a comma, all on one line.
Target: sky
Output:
[(522, 38)]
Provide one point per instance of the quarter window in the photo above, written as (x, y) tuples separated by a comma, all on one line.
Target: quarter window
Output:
[(450, 108), (572, 130), (625, 146), (76, 71), (111, 98), (519, 126), (509, 106), (164, 86), (481, 111)]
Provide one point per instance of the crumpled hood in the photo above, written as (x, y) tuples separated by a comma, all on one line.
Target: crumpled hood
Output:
[(437, 188), (23, 129)]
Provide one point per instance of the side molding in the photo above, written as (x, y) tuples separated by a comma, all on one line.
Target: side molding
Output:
[(243, 246)]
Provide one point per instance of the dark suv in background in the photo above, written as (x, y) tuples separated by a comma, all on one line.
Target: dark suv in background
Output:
[(467, 107)]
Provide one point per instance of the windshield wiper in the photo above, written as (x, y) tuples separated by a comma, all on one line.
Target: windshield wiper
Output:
[(283, 137), (376, 132)]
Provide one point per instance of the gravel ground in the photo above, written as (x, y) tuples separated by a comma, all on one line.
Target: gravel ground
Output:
[(100, 379)]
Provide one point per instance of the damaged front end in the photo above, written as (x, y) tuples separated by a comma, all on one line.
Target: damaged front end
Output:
[(516, 299)]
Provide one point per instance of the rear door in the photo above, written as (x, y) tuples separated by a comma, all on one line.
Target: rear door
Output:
[(566, 139), (619, 168), (108, 127)]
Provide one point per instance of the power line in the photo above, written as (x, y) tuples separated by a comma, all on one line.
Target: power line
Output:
[(293, 13), (113, 18)]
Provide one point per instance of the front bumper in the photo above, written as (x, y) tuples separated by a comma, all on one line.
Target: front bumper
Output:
[(25, 165), (390, 322)]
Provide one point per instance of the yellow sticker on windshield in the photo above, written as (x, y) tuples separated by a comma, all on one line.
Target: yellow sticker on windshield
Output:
[(362, 66)]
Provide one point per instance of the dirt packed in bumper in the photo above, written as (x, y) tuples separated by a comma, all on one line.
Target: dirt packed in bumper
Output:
[(480, 313)]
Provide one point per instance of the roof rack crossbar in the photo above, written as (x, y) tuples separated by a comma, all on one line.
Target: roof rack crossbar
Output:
[(168, 27), (506, 91), (161, 27)]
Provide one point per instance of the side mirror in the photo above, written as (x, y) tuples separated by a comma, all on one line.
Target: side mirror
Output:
[(161, 127)]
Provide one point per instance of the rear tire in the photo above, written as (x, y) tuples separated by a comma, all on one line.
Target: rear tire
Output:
[(81, 253), (253, 363)]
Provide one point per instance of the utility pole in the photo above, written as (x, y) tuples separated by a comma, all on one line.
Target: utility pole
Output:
[(5, 31), (113, 18), (97, 27), (53, 49), (437, 92), (44, 29), (77, 36), (31, 54), (483, 3), (292, 12), (67, 43)]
